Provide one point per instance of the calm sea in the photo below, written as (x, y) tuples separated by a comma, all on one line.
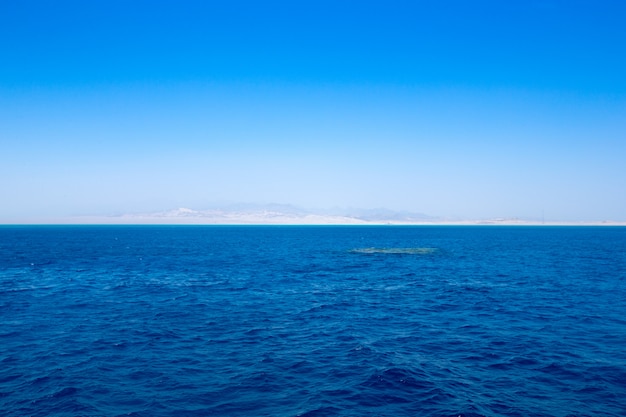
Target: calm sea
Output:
[(312, 321)]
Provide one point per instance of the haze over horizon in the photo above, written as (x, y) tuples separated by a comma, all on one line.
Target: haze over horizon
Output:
[(453, 109)]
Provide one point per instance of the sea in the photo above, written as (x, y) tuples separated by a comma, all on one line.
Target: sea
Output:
[(441, 321)]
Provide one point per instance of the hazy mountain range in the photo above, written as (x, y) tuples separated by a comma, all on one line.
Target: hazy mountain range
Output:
[(274, 214), (286, 214)]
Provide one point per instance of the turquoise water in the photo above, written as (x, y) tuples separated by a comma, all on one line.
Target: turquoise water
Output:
[(312, 321)]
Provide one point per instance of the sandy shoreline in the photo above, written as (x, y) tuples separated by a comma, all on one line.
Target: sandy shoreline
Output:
[(312, 220)]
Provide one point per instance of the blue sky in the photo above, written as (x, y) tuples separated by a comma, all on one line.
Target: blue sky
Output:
[(450, 108)]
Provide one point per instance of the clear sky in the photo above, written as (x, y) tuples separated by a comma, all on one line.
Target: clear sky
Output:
[(466, 109)]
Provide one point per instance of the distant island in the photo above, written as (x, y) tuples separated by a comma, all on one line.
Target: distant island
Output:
[(286, 214)]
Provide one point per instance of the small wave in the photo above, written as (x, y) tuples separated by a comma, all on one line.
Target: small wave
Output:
[(323, 411), (65, 392), (396, 251)]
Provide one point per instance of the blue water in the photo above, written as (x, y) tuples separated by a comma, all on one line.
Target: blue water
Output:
[(312, 321)]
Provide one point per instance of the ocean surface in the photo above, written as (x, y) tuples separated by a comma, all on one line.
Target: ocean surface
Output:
[(312, 321)]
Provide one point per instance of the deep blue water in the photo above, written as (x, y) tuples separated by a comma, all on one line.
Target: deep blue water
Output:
[(312, 321)]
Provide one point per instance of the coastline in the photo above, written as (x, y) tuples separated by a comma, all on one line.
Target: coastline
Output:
[(309, 220)]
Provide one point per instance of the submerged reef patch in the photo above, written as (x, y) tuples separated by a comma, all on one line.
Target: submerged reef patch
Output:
[(396, 251)]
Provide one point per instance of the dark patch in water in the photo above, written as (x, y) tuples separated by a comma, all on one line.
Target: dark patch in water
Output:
[(395, 251)]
